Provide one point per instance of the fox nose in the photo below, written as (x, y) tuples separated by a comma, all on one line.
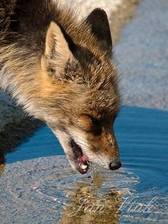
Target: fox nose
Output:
[(115, 165)]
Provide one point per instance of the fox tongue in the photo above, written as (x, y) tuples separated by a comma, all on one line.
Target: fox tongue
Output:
[(81, 159), (83, 163)]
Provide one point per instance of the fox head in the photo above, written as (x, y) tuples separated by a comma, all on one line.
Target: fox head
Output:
[(72, 86), (80, 94), (80, 89)]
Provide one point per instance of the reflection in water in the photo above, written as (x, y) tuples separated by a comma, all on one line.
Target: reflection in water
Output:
[(49, 190), (87, 205)]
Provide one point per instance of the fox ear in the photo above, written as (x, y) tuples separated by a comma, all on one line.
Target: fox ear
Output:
[(99, 24), (57, 52)]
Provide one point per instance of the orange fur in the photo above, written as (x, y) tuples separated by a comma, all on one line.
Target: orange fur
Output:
[(61, 72)]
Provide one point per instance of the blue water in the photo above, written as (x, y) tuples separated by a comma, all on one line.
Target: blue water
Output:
[(143, 140), (42, 143)]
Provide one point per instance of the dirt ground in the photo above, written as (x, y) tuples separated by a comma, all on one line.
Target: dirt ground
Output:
[(121, 17), (14, 132)]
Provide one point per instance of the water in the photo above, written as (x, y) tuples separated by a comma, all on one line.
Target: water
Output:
[(46, 190)]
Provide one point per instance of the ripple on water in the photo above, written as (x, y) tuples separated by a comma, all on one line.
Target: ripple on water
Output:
[(46, 190), (54, 191)]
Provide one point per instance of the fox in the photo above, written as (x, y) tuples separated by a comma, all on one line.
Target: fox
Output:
[(60, 70)]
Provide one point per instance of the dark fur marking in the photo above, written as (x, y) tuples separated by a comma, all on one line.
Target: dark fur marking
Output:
[(100, 27)]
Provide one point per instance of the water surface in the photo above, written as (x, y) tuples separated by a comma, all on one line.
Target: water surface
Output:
[(47, 190)]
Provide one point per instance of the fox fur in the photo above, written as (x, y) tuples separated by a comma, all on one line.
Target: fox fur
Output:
[(60, 70)]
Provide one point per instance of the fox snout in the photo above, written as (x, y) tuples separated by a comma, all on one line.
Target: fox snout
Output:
[(88, 143), (110, 149), (114, 165)]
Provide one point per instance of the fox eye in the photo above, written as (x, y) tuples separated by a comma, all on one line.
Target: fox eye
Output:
[(85, 122), (90, 124), (97, 126)]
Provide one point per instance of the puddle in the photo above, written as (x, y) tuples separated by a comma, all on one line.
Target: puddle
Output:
[(50, 190), (46, 190), (66, 196)]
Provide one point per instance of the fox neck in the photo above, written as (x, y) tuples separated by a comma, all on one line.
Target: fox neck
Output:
[(18, 70)]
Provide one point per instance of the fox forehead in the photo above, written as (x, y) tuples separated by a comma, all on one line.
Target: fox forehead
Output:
[(92, 79)]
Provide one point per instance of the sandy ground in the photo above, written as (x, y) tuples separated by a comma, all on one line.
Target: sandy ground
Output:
[(14, 124), (142, 57)]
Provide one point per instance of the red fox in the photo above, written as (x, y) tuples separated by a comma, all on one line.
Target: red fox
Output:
[(61, 72)]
